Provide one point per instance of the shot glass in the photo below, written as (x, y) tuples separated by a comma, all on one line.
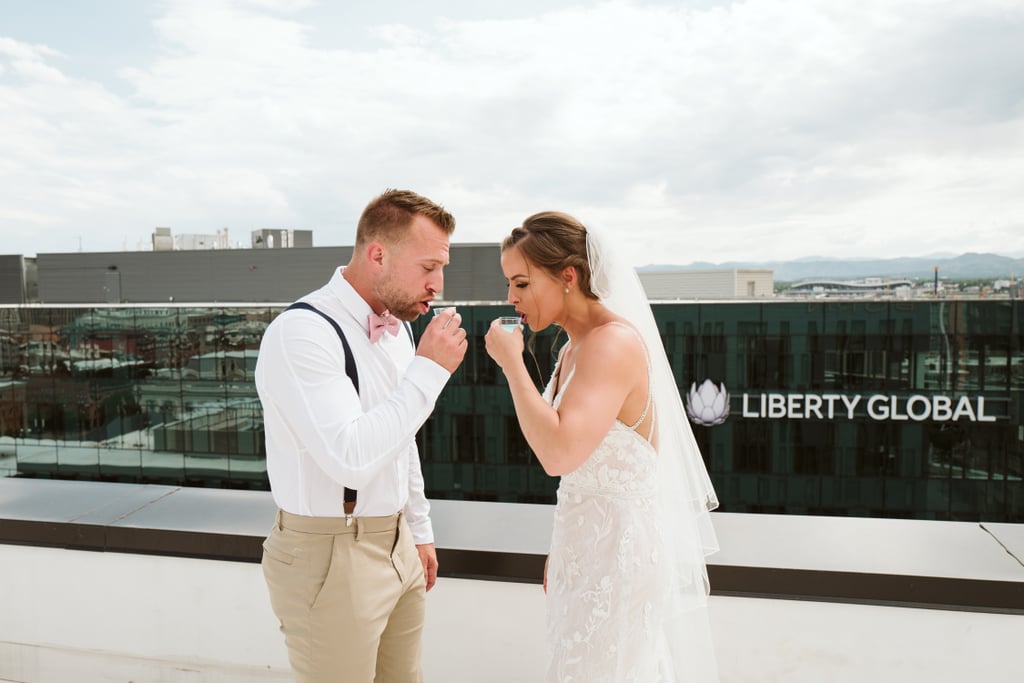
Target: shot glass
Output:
[(510, 323), (441, 309)]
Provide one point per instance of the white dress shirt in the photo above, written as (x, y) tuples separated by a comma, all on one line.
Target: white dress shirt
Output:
[(321, 435)]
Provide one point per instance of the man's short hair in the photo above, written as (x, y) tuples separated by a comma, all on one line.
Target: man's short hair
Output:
[(387, 217)]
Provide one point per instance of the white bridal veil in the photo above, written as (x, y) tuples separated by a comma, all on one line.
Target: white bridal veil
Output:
[(685, 493)]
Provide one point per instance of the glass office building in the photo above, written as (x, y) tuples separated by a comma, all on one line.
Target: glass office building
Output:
[(869, 407)]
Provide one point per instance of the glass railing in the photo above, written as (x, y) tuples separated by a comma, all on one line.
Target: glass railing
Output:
[(874, 408)]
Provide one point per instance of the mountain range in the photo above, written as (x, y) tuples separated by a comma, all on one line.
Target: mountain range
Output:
[(963, 267)]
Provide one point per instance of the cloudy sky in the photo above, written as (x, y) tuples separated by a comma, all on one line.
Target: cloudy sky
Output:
[(701, 130)]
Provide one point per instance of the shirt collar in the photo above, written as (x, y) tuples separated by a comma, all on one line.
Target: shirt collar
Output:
[(350, 299)]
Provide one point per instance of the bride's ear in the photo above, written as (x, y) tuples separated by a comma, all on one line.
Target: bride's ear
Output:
[(569, 277)]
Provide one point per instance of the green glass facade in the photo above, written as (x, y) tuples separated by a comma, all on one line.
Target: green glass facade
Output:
[(871, 408), (934, 431)]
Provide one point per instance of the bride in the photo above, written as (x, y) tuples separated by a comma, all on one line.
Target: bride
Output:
[(626, 579)]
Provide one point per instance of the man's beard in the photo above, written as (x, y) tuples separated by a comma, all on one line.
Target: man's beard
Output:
[(401, 306)]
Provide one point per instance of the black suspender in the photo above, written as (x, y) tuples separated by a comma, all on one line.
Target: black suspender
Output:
[(350, 361), (350, 370)]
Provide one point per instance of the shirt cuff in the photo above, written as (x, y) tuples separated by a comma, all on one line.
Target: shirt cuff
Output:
[(422, 531), (427, 375)]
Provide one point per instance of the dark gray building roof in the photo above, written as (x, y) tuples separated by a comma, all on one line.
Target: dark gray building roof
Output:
[(232, 275), (12, 279)]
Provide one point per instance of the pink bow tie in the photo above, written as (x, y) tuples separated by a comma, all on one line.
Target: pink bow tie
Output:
[(381, 323)]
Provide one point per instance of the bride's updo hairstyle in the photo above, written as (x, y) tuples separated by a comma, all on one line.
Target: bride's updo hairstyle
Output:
[(552, 240)]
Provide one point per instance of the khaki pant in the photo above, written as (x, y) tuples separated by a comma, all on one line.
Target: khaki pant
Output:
[(350, 597)]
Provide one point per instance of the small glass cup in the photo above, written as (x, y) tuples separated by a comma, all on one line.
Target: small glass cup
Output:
[(510, 323), (442, 309)]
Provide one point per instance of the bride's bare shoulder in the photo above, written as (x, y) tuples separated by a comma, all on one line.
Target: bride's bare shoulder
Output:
[(615, 339)]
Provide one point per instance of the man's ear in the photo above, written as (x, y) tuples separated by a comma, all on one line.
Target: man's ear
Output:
[(375, 256)]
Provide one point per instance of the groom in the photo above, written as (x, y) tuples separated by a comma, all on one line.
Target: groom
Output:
[(344, 391)]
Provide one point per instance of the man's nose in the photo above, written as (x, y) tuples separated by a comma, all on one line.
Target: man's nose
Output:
[(435, 284)]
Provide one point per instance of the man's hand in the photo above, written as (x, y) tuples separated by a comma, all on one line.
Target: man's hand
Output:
[(444, 341), (428, 557)]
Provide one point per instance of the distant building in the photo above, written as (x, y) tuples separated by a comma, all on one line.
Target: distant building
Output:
[(871, 285), (280, 275), (281, 239), (15, 270), (194, 242), (666, 285), (234, 275), (12, 407), (162, 239)]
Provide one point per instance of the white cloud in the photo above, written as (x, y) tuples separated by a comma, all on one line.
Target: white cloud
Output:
[(761, 129), (24, 51), (37, 71)]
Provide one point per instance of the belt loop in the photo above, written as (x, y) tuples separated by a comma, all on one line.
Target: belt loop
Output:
[(279, 520), (359, 529)]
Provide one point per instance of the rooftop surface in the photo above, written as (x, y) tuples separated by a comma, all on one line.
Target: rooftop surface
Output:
[(178, 595)]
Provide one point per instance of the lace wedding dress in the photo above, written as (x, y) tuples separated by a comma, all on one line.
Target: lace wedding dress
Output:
[(608, 582)]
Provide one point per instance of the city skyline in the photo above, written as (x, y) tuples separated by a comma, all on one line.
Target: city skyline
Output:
[(706, 131)]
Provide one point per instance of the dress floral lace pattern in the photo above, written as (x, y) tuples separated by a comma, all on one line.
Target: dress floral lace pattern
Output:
[(604, 575)]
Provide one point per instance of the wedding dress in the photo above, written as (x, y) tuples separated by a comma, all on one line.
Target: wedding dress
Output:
[(611, 615)]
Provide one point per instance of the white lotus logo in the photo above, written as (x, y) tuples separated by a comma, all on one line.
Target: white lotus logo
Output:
[(708, 405)]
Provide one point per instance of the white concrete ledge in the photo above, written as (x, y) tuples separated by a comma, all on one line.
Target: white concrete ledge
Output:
[(966, 550), (947, 565), (93, 617)]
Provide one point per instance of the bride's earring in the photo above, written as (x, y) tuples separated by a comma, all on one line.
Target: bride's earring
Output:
[(566, 290)]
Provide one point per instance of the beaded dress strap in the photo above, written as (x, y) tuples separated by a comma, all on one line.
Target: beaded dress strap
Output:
[(647, 359)]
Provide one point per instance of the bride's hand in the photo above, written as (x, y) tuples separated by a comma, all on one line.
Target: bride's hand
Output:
[(503, 346)]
